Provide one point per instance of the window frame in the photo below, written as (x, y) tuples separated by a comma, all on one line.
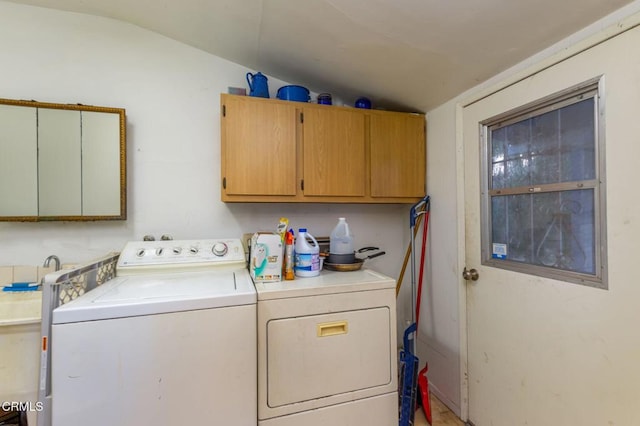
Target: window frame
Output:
[(592, 88)]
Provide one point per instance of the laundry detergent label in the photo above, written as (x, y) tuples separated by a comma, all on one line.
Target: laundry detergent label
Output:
[(265, 261), (307, 262)]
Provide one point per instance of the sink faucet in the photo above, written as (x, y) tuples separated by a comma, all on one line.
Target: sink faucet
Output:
[(55, 259)]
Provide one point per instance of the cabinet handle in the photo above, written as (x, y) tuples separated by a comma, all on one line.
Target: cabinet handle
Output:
[(332, 328), (224, 183), (302, 184)]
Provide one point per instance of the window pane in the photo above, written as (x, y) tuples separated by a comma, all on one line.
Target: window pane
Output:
[(517, 146), (554, 229), (512, 226), (578, 141), (553, 147), (545, 146), (498, 154)]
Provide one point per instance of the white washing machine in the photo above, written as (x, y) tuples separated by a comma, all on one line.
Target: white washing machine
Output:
[(327, 350), (170, 341)]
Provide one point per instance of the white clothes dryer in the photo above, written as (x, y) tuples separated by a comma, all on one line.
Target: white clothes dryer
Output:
[(327, 351), (170, 341)]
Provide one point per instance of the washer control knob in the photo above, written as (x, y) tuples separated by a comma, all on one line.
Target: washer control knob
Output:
[(159, 251), (140, 252), (220, 249), (177, 250), (193, 250)]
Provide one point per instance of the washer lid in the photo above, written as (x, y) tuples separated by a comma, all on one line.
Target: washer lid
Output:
[(161, 293), (328, 282)]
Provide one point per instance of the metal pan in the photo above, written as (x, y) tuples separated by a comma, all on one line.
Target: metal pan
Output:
[(353, 266), (343, 259)]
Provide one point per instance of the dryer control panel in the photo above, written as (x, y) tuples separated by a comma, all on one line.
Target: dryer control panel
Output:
[(180, 255)]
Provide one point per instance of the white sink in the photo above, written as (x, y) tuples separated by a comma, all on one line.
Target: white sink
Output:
[(20, 346), (22, 307)]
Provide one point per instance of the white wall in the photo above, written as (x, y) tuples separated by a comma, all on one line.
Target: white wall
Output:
[(171, 95), (439, 329)]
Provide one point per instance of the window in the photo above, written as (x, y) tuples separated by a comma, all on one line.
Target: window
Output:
[(543, 188)]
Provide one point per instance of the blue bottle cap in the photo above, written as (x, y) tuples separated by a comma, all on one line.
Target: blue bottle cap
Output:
[(302, 229)]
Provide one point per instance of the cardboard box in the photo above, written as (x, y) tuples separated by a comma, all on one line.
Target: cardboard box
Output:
[(265, 260)]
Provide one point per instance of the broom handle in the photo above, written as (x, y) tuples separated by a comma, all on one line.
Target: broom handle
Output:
[(425, 227), (415, 214), (406, 256)]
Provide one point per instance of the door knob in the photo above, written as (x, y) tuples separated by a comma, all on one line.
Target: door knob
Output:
[(470, 275)]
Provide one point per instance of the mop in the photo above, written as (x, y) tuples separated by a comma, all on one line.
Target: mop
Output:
[(409, 376)]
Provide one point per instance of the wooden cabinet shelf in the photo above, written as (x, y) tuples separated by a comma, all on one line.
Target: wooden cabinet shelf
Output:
[(281, 151)]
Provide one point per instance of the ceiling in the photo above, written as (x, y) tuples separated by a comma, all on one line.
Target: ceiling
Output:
[(402, 54)]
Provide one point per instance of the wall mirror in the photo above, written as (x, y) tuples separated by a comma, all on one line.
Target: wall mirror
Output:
[(61, 162)]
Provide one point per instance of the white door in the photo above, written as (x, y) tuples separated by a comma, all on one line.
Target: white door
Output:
[(547, 352)]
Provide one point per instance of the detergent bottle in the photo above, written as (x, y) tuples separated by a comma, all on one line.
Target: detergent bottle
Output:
[(289, 273), (307, 256)]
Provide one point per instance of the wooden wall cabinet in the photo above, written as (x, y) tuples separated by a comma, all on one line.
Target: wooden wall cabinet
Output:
[(258, 148), (281, 151), (398, 155)]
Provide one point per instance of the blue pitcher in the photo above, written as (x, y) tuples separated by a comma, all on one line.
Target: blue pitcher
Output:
[(258, 85)]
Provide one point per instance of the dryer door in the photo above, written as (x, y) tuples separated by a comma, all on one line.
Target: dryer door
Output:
[(317, 356)]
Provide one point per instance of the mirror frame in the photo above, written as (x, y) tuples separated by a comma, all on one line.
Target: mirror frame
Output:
[(123, 160)]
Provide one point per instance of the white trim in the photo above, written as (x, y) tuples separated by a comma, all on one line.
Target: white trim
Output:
[(462, 286)]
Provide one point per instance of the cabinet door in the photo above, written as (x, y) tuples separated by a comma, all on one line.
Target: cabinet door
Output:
[(18, 161), (59, 163), (333, 152), (258, 147), (398, 149), (100, 191)]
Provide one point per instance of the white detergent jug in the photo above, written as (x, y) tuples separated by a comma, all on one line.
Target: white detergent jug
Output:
[(307, 256)]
